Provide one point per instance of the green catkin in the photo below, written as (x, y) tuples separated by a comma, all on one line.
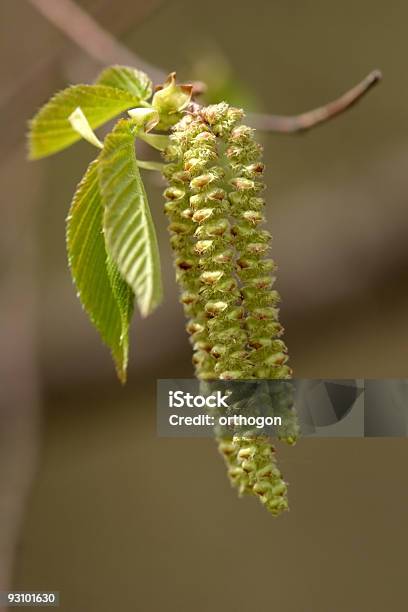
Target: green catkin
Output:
[(214, 208)]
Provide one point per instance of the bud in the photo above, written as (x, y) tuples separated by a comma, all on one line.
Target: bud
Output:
[(268, 265), (182, 176), (210, 278), (229, 285), (215, 308), (247, 262), (242, 230), (255, 170), (283, 372), (171, 207), (231, 375), (194, 164), (263, 282), (269, 471), (179, 228), (253, 216), (257, 248), (170, 99), (205, 138), (174, 193), (248, 466), (197, 200), (202, 345), (246, 452), (212, 229), (266, 313), (224, 257), (262, 487), (242, 184), (218, 350), (235, 314), (189, 298), (233, 334), (236, 471), (216, 194), (214, 113), (227, 448), (200, 182), (186, 213), (193, 327), (202, 215), (202, 246), (258, 342), (241, 134), (184, 264)]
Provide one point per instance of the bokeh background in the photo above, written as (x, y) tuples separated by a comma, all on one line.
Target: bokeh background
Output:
[(92, 503)]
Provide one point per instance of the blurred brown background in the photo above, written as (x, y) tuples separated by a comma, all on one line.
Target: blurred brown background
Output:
[(92, 503)]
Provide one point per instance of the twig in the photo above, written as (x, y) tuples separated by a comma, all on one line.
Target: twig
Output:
[(104, 48), (310, 119), (97, 42)]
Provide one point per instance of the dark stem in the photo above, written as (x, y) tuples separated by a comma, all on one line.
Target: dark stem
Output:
[(310, 119)]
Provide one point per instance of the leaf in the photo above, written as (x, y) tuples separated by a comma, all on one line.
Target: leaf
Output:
[(128, 79), (81, 125), (51, 131), (129, 230), (146, 117), (106, 298)]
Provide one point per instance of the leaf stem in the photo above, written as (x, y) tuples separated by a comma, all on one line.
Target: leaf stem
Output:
[(157, 141), (150, 165)]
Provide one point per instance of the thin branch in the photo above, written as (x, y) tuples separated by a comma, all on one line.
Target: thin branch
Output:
[(85, 32), (90, 36), (310, 119)]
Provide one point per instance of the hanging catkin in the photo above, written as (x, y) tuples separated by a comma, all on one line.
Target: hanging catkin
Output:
[(215, 210)]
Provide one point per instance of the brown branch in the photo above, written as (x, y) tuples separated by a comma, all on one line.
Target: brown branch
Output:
[(90, 36), (85, 32), (310, 119)]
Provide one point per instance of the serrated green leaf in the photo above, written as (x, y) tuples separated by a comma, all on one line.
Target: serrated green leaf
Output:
[(129, 230), (51, 131), (106, 298), (129, 79), (123, 294)]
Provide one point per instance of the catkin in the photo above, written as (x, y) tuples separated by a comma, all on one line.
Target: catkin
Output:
[(215, 211)]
